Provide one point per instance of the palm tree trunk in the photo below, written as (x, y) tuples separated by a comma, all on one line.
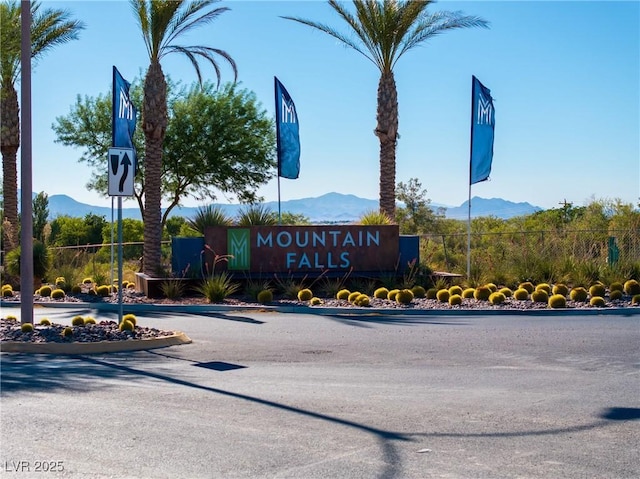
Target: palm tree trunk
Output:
[(387, 132), (154, 123), (9, 144)]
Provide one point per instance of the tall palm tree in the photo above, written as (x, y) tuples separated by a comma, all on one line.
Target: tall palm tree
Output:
[(383, 31), (162, 22), (49, 28)]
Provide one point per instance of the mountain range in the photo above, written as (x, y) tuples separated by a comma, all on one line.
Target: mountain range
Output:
[(328, 208)]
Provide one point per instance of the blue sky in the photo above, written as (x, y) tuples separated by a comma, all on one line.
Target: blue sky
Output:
[(565, 77)]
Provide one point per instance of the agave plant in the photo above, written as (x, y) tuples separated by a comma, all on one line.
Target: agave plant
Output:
[(257, 215), (210, 215), (218, 287)]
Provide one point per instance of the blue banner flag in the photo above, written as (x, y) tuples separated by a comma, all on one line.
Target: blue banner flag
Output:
[(483, 123), (288, 135), (123, 114)]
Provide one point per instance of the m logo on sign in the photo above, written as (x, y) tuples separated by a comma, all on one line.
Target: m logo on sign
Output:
[(238, 245), (484, 110)]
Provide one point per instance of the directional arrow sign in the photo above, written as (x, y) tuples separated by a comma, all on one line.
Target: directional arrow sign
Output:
[(121, 173)]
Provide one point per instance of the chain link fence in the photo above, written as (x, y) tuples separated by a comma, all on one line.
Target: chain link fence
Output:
[(537, 255)]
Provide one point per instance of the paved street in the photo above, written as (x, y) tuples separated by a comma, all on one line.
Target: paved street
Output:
[(271, 395)]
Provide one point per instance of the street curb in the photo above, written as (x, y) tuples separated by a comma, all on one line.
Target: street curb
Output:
[(94, 348)]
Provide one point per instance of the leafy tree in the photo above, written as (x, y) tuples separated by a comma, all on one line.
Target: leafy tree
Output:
[(217, 141), (162, 24), (383, 32), (416, 216), (132, 232), (95, 225), (68, 231), (40, 215), (49, 28), (173, 226)]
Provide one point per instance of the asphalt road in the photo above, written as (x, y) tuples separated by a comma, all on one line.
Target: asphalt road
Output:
[(271, 395)]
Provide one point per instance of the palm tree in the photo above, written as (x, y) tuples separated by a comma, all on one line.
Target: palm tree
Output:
[(384, 31), (161, 23), (49, 28)]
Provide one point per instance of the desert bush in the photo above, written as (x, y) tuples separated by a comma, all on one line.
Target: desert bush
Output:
[(375, 217), (218, 287), (431, 293), (540, 296), (257, 215), (305, 294), (41, 261), (632, 287), (210, 215), (616, 286), (455, 300), (443, 295), (578, 294), (557, 301), (597, 289), (597, 301), (545, 287), (173, 288)]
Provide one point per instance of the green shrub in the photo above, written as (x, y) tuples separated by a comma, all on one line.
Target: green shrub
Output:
[(57, 294), (506, 291), (615, 295), (616, 286), (418, 291), (77, 321), (497, 297), (343, 294), (362, 300), (455, 299), (561, 289), (392, 294), (597, 289), (353, 296), (173, 288), (305, 294), (482, 293), (126, 326), (492, 287), (45, 291), (315, 301), (632, 287), (381, 293), (521, 294), (26, 328), (635, 299), (443, 295), (528, 285), (597, 301), (76, 289), (558, 301), (45, 322), (544, 287), (578, 294), (540, 296), (89, 320), (455, 290), (41, 260), (218, 287), (404, 296), (131, 318), (468, 293), (432, 293), (67, 332), (265, 296)]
